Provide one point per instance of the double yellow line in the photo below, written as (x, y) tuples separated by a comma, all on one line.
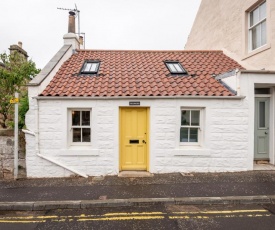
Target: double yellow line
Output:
[(123, 216)]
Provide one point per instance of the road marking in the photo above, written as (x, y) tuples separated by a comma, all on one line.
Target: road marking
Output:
[(188, 217), (60, 220), (29, 217), (22, 221), (134, 213), (219, 216), (218, 212), (123, 216)]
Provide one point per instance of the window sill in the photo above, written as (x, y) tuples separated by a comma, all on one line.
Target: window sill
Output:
[(256, 51), (191, 151), (79, 151)]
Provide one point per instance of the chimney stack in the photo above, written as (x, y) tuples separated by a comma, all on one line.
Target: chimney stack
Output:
[(71, 38), (71, 26), (17, 49)]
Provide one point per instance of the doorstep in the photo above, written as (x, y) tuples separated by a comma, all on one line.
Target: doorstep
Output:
[(263, 166), (135, 174)]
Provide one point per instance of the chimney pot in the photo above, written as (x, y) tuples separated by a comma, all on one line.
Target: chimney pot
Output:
[(81, 40), (20, 44), (72, 13)]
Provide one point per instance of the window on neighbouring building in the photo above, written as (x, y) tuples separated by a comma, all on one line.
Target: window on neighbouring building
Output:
[(175, 67), (190, 126), (90, 67), (257, 27), (80, 126)]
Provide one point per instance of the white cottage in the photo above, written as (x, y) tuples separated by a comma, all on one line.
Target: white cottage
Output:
[(101, 112)]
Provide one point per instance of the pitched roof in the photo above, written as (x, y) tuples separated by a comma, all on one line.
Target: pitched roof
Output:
[(142, 73)]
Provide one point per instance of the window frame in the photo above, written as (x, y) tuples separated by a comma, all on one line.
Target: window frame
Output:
[(260, 22), (184, 72), (199, 127), (82, 72), (71, 127)]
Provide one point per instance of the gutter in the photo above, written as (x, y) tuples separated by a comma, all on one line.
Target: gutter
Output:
[(258, 71), (37, 149), (138, 97), (132, 202)]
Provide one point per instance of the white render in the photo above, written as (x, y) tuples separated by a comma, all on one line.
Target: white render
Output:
[(224, 146), (248, 81)]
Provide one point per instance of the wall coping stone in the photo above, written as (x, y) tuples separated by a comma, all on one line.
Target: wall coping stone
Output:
[(9, 132), (6, 132)]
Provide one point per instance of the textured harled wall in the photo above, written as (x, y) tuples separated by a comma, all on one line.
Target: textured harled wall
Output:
[(221, 24), (247, 83), (225, 140)]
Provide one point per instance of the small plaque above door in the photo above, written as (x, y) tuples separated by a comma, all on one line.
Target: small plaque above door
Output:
[(134, 102)]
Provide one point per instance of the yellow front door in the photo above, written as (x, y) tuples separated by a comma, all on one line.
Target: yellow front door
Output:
[(133, 138)]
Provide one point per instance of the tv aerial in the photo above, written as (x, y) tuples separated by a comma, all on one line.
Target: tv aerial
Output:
[(77, 15)]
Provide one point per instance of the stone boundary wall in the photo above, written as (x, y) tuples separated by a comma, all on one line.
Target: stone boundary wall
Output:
[(7, 154)]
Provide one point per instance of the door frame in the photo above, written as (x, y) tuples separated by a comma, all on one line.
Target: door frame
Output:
[(148, 135)]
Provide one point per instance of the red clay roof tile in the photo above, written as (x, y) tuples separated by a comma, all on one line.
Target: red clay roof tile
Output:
[(142, 73)]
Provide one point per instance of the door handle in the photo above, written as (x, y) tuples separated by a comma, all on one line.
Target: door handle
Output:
[(143, 141), (266, 132)]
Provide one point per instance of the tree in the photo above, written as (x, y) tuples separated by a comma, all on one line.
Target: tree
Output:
[(15, 73)]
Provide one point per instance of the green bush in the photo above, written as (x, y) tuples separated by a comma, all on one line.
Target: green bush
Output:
[(23, 109), (15, 73)]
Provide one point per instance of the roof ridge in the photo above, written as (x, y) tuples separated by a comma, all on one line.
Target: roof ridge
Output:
[(153, 51)]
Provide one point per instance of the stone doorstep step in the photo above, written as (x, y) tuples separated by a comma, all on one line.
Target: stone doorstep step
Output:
[(262, 162), (84, 204), (135, 174)]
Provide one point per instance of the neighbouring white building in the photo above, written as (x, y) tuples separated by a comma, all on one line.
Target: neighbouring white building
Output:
[(100, 112)]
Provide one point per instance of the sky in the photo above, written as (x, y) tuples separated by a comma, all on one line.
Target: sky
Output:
[(107, 24)]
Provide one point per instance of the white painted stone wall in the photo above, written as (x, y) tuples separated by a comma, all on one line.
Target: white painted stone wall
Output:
[(223, 25), (248, 81), (224, 146)]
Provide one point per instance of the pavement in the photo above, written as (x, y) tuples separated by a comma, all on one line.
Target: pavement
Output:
[(252, 187)]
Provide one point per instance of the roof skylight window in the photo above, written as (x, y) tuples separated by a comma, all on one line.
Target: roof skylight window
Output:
[(90, 67), (175, 67)]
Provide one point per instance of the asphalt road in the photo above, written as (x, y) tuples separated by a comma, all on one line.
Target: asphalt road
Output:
[(151, 217)]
